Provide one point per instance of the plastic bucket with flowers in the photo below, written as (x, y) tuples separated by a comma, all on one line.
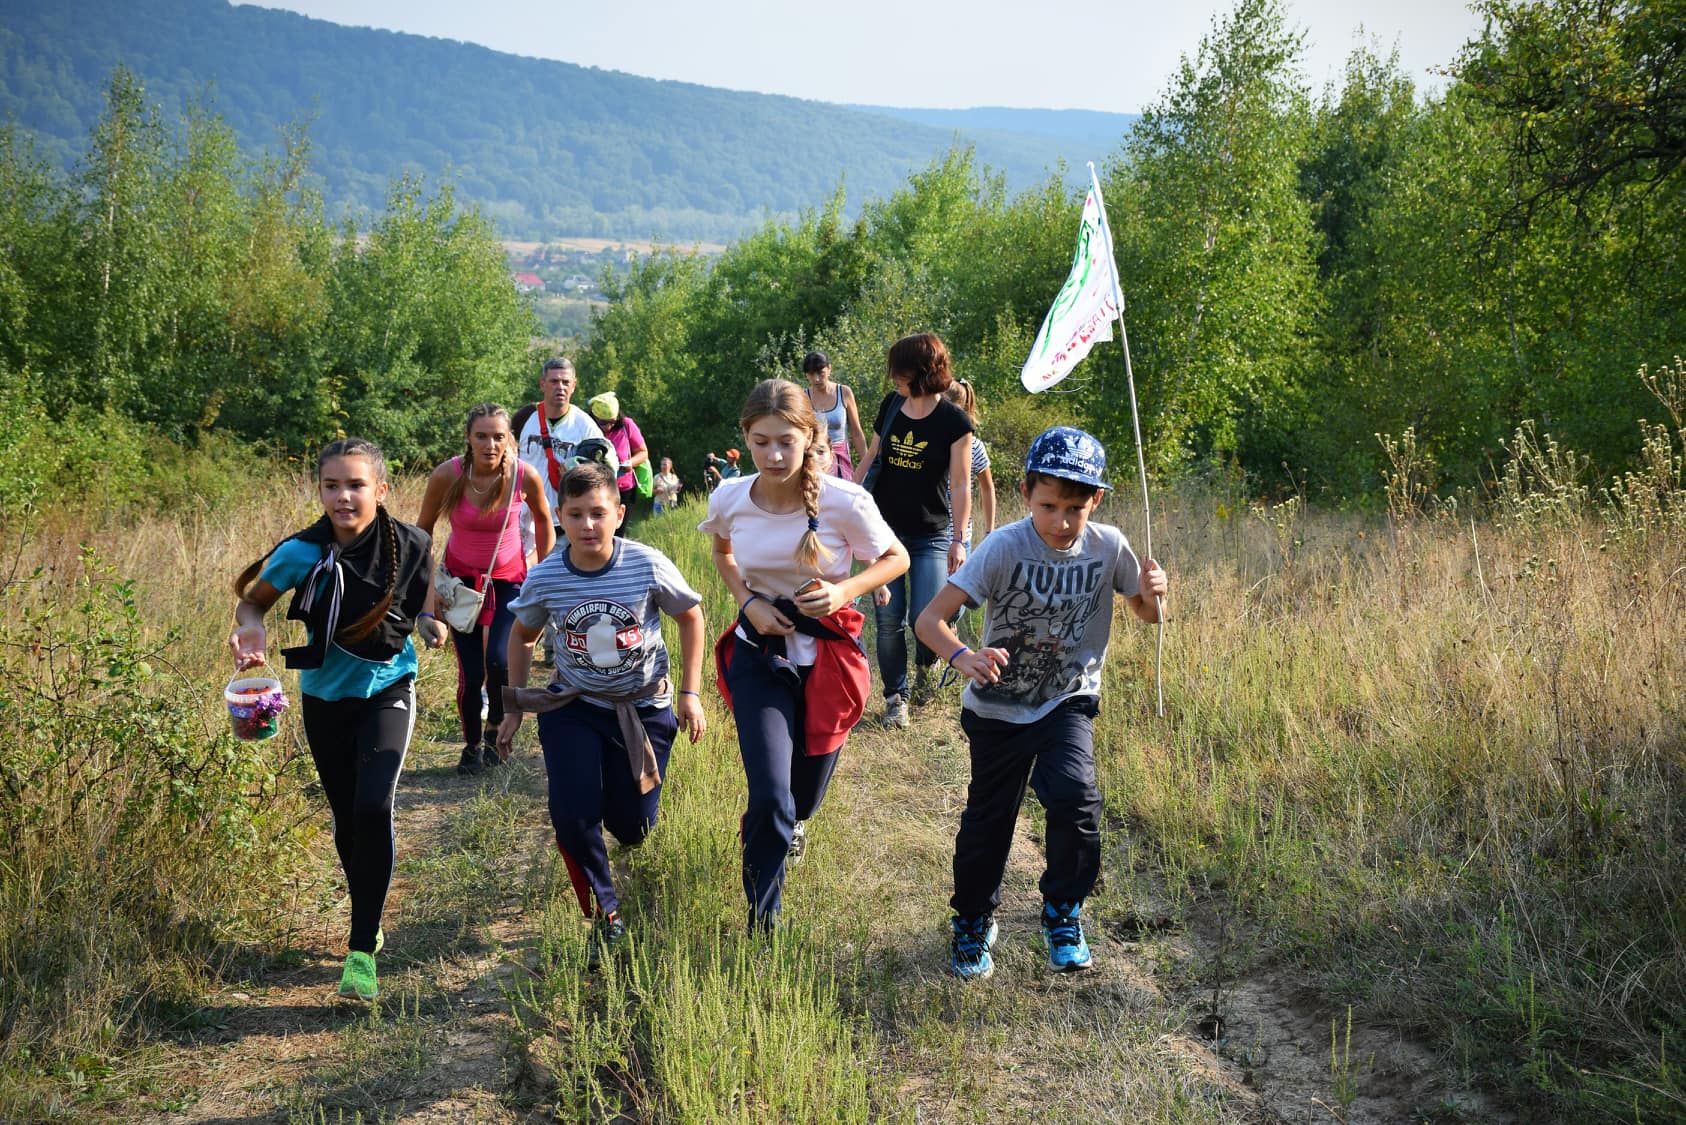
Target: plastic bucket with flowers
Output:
[(255, 702)]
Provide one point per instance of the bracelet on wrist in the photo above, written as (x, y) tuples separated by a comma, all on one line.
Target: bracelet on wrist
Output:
[(746, 601), (958, 653), (683, 691), (423, 614)]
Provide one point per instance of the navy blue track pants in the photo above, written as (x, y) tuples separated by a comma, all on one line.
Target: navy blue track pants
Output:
[(592, 788), (785, 785)]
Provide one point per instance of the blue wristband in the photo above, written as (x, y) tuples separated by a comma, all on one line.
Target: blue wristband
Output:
[(962, 650), (747, 600)]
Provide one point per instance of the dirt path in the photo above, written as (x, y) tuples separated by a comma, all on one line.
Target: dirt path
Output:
[(1121, 1042), (437, 1047), (1127, 1040)]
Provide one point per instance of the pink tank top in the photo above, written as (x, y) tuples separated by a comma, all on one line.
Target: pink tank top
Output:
[(472, 534)]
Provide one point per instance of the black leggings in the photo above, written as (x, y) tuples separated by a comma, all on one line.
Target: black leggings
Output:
[(358, 746), (483, 662)]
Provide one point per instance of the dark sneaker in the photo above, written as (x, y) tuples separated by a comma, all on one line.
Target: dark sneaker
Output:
[(607, 933), (968, 950), (358, 979), (489, 756), (895, 712), (798, 842), (469, 764), (1062, 931)]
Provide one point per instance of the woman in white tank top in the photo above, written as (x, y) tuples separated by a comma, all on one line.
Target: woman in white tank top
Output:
[(842, 421)]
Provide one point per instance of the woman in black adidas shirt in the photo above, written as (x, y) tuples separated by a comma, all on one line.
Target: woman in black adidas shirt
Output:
[(926, 447)]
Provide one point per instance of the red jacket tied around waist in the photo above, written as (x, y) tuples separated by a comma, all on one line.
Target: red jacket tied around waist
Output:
[(835, 693)]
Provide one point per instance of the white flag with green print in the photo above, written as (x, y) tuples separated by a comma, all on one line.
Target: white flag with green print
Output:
[(1088, 303)]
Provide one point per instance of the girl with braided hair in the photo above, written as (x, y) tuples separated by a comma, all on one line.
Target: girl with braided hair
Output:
[(359, 565), (791, 667), (475, 491)]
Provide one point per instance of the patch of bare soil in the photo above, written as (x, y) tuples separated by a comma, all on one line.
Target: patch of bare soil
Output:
[(1306, 1058)]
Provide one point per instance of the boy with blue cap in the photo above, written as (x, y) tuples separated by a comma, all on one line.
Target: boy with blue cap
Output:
[(1029, 710)]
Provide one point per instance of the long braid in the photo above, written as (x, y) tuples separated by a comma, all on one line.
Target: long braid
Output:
[(810, 551), (366, 624), (246, 577)]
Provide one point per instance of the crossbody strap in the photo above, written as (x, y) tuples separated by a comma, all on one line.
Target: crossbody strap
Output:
[(896, 401)]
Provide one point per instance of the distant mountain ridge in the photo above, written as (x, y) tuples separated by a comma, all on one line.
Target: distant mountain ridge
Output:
[(546, 148), (1100, 131)]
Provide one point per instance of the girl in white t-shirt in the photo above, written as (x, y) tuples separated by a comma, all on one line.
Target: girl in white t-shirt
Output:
[(792, 665)]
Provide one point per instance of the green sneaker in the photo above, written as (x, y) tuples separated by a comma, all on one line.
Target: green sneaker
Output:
[(358, 980)]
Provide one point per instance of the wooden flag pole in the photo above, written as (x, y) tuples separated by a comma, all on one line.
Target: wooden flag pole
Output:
[(1141, 458)]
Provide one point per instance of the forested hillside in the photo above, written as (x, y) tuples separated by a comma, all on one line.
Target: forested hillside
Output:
[(544, 148)]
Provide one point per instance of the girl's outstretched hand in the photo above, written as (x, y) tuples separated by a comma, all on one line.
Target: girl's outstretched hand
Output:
[(689, 711), (433, 631), (247, 643)]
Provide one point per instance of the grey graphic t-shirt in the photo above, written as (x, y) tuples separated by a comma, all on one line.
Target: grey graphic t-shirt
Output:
[(1051, 610), (608, 621)]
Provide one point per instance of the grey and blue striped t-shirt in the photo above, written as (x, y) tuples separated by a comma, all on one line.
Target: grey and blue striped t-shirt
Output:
[(608, 621)]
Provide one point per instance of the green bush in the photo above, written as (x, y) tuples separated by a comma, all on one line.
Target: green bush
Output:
[(136, 835)]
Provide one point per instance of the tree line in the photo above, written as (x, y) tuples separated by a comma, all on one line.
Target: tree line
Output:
[(1302, 273)]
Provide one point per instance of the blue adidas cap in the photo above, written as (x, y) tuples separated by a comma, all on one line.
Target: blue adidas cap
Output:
[(1068, 453)]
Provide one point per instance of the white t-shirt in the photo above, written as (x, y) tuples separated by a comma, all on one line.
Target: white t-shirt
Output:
[(573, 427), (764, 544)]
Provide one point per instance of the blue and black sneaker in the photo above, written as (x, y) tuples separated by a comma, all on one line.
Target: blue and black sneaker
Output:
[(968, 956), (608, 932), (1062, 931)]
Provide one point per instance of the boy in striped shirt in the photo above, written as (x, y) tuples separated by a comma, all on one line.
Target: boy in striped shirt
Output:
[(609, 715)]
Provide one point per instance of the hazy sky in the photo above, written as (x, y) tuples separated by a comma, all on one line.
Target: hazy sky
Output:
[(1115, 56)]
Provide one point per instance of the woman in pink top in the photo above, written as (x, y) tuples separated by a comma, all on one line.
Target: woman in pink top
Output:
[(475, 491)]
